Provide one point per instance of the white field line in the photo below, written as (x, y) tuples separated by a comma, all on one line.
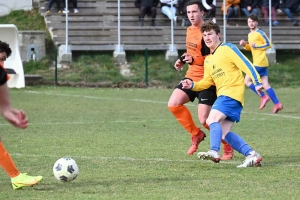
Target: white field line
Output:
[(144, 160), (158, 102), (88, 122)]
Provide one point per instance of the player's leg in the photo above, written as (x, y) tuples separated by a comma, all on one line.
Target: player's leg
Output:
[(206, 99), (233, 111), (18, 179), (271, 93), (214, 119), (264, 99), (224, 113), (176, 105)]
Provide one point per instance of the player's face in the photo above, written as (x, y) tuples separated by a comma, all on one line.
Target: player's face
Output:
[(252, 24), (211, 39), (194, 14), (3, 57)]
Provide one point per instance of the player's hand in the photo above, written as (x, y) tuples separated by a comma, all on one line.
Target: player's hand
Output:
[(188, 58), (15, 117), (186, 84), (253, 44), (259, 89), (178, 65), (243, 43), (248, 8)]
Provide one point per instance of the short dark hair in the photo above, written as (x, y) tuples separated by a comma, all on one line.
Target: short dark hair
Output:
[(253, 17), (4, 47), (210, 25), (198, 2)]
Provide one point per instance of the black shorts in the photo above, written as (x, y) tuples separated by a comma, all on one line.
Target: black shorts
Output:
[(207, 96)]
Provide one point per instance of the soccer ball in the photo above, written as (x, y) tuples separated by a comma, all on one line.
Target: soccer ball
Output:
[(65, 169)]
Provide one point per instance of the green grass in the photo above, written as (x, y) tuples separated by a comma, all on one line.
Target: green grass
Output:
[(129, 146)]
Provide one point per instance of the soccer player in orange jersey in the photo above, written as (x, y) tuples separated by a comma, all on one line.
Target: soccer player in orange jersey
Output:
[(18, 119), (194, 57)]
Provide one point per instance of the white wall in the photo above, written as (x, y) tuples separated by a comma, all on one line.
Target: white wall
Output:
[(6, 6)]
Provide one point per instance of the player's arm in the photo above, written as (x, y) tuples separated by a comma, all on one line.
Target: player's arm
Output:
[(205, 83), (245, 45), (243, 63), (266, 42), (13, 116)]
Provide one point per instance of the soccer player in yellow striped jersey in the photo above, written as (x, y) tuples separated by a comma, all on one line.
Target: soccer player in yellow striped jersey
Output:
[(258, 43), (224, 67)]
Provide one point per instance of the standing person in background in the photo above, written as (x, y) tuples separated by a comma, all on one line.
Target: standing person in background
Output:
[(194, 57), (210, 9), (232, 10), (289, 7), (182, 11), (224, 67), (147, 7), (168, 8), (74, 7), (18, 119), (264, 4), (50, 5), (249, 7), (258, 43)]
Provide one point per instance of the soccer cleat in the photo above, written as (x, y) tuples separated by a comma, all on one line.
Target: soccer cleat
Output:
[(24, 180), (228, 152), (210, 155), (263, 101), (277, 107), (253, 160), (196, 139)]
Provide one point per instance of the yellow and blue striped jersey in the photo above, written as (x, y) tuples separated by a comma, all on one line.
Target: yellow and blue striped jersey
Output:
[(224, 68), (262, 43)]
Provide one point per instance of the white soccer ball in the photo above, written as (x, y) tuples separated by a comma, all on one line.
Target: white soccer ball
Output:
[(65, 169)]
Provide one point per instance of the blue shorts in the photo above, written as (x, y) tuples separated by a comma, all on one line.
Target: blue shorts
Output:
[(262, 71), (229, 107)]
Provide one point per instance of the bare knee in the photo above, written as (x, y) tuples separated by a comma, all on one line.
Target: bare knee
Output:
[(202, 120)]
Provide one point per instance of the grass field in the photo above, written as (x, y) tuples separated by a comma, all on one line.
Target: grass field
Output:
[(129, 146)]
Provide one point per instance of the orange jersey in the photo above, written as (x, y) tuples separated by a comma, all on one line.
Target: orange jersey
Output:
[(196, 47)]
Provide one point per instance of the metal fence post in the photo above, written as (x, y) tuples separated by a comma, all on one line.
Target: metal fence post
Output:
[(146, 66)]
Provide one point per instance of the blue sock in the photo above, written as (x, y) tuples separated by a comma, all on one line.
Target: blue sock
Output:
[(215, 136), (237, 143), (272, 95), (252, 87)]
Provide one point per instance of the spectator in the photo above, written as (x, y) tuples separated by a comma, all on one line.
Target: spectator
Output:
[(147, 7), (182, 11), (74, 7), (168, 8), (50, 5), (289, 7), (249, 7), (264, 4), (232, 10), (210, 9)]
